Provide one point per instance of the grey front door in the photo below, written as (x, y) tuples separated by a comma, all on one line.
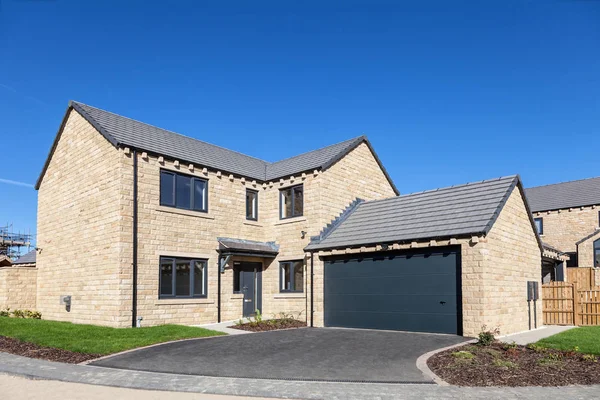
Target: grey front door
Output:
[(251, 287), (408, 291)]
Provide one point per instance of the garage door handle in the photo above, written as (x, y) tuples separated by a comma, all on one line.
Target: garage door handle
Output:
[(442, 302)]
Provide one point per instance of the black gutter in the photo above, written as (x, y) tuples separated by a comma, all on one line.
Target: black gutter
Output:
[(312, 280), (219, 289), (135, 241)]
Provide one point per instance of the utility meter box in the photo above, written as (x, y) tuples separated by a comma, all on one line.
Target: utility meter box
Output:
[(533, 290), (65, 300)]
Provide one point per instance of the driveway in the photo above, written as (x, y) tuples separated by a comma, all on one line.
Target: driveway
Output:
[(325, 354)]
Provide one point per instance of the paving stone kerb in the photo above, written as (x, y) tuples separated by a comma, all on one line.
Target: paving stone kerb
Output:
[(39, 369)]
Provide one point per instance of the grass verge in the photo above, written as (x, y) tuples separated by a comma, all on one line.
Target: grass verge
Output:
[(585, 339), (92, 339)]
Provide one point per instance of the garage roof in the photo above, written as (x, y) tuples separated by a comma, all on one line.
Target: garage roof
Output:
[(584, 192), (453, 211), (123, 131)]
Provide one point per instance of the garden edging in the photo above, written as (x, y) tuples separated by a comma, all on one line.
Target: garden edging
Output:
[(424, 368)]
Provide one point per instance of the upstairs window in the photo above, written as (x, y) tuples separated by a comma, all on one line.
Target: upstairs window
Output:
[(539, 225), (291, 202), (182, 277), (291, 276), (251, 204), (183, 191)]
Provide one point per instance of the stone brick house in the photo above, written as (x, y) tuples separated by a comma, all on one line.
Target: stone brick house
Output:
[(136, 221), (567, 216)]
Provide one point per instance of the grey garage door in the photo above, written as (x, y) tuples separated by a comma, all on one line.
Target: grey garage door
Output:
[(418, 291)]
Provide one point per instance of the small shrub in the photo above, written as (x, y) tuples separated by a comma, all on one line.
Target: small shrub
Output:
[(536, 348), (589, 358), (5, 313), (258, 316), (464, 355), (504, 363), (18, 314), (508, 346), (487, 337)]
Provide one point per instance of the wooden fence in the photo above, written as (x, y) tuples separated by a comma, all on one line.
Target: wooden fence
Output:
[(584, 277), (564, 304)]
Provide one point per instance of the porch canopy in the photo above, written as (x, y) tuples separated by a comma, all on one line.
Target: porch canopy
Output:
[(250, 248)]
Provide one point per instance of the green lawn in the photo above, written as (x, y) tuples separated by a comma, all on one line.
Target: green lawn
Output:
[(585, 338), (92, 339)]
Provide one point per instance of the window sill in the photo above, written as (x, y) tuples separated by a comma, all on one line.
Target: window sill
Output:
[(290, 220), (172, 302), (299, 295), (252, 223), (180, 211)]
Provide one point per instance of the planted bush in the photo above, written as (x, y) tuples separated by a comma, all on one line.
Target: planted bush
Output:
[(21, 313)]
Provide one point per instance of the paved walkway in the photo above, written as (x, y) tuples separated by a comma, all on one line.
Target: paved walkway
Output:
[(14, 387), (225, 327), (39, 369), (524, 338)]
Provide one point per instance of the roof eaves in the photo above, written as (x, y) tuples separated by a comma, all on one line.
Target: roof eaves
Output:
[(352, 146), (588, 237)]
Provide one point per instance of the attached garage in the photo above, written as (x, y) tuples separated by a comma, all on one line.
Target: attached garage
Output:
[(410, 291), (453, 260)]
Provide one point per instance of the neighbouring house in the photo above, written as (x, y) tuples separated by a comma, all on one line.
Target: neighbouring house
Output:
[(18, 286), (567, 217), (135, 222)]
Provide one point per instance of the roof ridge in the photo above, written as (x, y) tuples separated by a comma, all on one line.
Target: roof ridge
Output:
[(562, 183), (350, 141), (403, 196), (170, 131)]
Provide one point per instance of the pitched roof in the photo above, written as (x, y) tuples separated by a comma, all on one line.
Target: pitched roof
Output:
[(448, 212), (28, 258), (584, 192), (123, 131)]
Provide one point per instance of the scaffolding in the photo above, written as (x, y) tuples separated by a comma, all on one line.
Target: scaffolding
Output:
[(11, 242)]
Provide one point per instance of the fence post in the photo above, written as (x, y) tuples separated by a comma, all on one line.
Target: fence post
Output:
[(576, 311)]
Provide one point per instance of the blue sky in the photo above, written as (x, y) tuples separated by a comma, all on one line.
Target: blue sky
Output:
[(448, 92)]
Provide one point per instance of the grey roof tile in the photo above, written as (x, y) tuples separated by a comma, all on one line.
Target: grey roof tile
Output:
[(123, 131), (453, 211), (584, 192), (28, 258)]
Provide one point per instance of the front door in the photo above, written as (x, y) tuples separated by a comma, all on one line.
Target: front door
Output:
[(251, 287)]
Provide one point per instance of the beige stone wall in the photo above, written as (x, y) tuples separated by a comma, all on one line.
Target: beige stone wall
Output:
[(80, 228), (586, 251), (18, 287), (512, 257), (564, 228)]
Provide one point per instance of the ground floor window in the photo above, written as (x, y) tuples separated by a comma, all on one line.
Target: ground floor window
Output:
[(182, 277), (572, 262), (597, 253), (292, 276)]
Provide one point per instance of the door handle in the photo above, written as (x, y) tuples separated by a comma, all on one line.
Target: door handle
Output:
[(442, 302)]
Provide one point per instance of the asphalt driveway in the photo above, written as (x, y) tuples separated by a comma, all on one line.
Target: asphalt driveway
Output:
[(301, 354)]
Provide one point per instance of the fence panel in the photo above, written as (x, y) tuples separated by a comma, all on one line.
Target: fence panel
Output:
[(589, 307), (583, 277), (558, 303)]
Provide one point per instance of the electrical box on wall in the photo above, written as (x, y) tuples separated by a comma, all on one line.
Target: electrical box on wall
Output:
[(532, 291), (65, 300)]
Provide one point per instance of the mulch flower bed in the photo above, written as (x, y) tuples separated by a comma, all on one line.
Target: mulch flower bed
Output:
[(509, 365), (25, 349), (270, 325)]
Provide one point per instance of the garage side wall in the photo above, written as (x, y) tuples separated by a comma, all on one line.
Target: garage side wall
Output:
[(513, 257)]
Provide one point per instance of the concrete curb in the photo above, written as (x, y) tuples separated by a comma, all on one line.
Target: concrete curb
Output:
[(422, 362)]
